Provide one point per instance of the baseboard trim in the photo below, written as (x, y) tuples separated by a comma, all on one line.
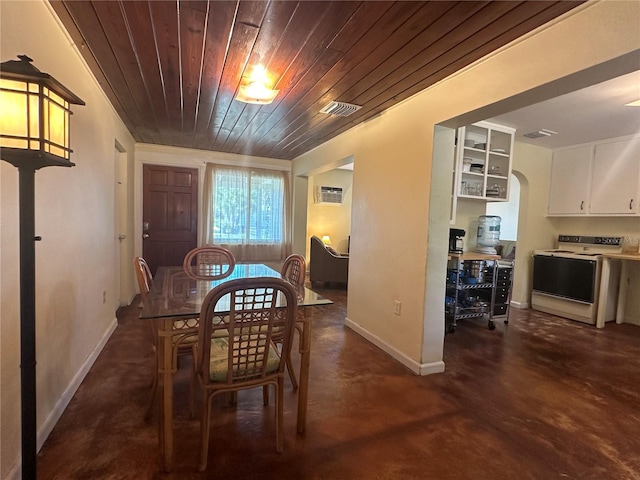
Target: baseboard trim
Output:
[(415, 367), (519, 305), (47, 427)]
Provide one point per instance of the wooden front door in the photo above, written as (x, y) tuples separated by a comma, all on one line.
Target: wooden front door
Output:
[(169, 214)]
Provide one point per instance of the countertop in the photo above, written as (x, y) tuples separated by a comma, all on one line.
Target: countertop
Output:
[(623, 256), (474, 256)]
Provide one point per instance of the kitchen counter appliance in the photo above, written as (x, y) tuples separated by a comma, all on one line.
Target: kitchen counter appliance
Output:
[(455, 240), (566, 280)]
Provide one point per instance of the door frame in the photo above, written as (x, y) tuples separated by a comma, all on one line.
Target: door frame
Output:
[(139, 195), (124, 285), (148, 158)]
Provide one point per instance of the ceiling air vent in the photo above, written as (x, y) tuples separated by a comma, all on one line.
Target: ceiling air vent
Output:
[(340, 109), (543, 132)]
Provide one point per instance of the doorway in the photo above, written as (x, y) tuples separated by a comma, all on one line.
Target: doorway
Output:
[(121, 209), (169, 214)]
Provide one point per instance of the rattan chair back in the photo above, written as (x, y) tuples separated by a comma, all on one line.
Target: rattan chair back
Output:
[(143, 276), (238, 322), (209, 263), (294, 269)]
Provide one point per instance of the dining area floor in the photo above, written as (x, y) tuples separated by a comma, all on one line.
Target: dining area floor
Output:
[(540, 398)]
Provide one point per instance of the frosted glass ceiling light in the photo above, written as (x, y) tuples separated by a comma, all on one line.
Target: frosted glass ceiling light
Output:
[(256, 90)]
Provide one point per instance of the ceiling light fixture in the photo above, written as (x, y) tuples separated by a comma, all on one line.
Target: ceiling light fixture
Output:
[(255, 89), (633, 104)]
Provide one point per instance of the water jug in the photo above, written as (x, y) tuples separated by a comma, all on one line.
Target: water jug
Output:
[(488, 234)]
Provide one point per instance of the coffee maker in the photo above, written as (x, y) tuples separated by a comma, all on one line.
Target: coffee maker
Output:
[(455, 240)]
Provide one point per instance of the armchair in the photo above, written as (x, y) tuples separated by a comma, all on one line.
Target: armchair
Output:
[(326, 265)]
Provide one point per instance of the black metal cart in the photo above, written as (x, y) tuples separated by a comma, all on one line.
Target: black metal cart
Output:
[(478, 286)]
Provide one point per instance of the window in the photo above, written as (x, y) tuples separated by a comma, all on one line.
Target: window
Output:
[(246, 211)]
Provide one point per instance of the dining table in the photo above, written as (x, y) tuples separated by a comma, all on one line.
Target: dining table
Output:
[(175, 299)]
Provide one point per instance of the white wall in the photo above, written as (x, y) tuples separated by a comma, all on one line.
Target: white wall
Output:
[(532, 166), (508, 211), (299, 215), (77, 257), (393, 179)]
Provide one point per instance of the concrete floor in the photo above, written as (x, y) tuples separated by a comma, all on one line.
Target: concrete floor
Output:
[(541, 398)]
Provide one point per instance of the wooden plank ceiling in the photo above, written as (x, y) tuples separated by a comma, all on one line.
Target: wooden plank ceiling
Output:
[(172, 68)]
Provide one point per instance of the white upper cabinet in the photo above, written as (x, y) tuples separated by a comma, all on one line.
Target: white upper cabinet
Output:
[(602, 179), (570, 181), (484, 160), (616, 166)]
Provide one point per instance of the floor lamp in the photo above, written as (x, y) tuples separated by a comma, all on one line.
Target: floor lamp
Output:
[(34, 133)]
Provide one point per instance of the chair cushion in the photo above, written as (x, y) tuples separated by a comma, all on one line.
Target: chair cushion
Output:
[(218, 365)]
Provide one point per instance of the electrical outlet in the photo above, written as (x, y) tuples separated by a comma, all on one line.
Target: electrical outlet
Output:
[(104, 296), (396, 307)]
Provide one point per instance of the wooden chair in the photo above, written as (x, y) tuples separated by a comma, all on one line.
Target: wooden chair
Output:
[(235, 347), (185, 338), (144, 278), (209, 263), (294, 270)]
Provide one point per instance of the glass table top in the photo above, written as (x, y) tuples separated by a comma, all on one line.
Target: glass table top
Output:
[(174, 294)]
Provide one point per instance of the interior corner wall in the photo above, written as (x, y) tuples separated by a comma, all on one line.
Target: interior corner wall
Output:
[(77, 257), (532, 166), (391, 185), (299, 214)]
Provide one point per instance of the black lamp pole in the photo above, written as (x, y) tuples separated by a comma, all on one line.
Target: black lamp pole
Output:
[(41, 146), (28, 320)]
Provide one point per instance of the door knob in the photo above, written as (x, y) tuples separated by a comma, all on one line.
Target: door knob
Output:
[(145, 235), (121, 237)]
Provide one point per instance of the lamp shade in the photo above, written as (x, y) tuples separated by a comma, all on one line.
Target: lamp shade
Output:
[(34, 115), (326, 239)]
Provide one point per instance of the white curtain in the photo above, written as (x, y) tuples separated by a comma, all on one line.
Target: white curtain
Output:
[(247, 210)]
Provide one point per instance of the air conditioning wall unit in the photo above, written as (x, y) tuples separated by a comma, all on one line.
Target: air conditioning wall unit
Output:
[(329, 195)]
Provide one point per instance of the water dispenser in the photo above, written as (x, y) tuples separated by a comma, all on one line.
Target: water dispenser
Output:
[(488, 234)]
